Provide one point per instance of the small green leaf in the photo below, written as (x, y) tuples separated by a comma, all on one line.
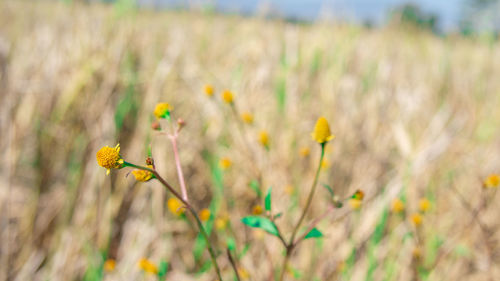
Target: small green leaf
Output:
[(278, 215), (262, 223), (231, 244), (254, 184), (330, 190), (163, 267), (267, 201), (314, 233)]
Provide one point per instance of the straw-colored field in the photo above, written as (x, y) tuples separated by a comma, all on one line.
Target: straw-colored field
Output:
[(415, 116)]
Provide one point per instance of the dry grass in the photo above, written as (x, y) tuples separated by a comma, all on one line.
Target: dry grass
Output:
[(415, 115)]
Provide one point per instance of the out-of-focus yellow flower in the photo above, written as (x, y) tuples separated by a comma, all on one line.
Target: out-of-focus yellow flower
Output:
[(304, 151), (225, 163), (209, 90), (148, 266), (491, 181), (109, 265), (142, 175), (321, 133), (397, 206), (290, 190), (204, 214), (264, 138), (247, 117), (355, 203), (325, 164), (221, 222), (227, 97), (162, 110), (359, 194), (257, 210), (417, 219), (417, 252), (424, 205), (243, 273), (109, 158), (175, 206)]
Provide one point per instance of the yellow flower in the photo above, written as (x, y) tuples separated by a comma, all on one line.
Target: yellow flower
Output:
[(109, 265), (257, 210), (225, 163), (417, 252), (227, 96), (148, 266), (321, 132), (209, 90), (355, 203), (243, 273), (162, 110), (305, 151), (109, 158), (142, 175), (424, 205), (325, 164), (290, 190), (221, 222), (175, 206), (264, 138), (359, 194), (247, 117), (417, 219), (204, 214), (397, 205), (492, 180)]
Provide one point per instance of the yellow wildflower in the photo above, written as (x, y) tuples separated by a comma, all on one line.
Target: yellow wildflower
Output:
[(424, 205), (355, 203), (109, 265), (247, 117), (109, 158), (417, 252), (148, 266), (264, 138), (142, 175), (221, 222), (397, 205), (175, 206), (417, 219), (243, 273), (227, 96), (209, 90), (492, 180), (162, 110), (290, 190), (204, 214), (304, 151), (325, 164), (225, 163), (257, 210), (321, 133)]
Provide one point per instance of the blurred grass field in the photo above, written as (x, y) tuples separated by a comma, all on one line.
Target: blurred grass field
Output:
[(415, 115)]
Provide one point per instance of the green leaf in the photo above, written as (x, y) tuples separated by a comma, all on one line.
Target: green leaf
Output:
[(262, 223), (330, 190), (314, 233), (254, 184), (267, 201), (231, 244), (163, 267)]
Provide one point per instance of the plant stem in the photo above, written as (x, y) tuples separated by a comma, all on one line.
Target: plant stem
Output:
[(190, 208), (180, 175), (233, 264)]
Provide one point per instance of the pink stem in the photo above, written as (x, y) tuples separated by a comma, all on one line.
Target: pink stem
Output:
[(173, 139)]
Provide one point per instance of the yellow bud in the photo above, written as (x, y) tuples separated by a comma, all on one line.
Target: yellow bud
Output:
[(221, 223), (305, 151), (492, 181), (247, 117), (424, 205), (162, 109), (142, 175), (321, 133), (227, 97), (257, 210), (355, 203), (209, 90), (175, 206), (416, 219), (109, 265), (264, 138), (204, 214), (148, 266), (397, 206), (225, 163)]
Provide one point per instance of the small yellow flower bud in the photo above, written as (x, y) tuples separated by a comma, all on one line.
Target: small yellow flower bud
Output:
[(109, 265), (227, 96), (209, 90), (204, 214), (162, 110), (492, 181), (321, 133), (175, 206), (264, 138), (397, 206), (109, 158), (243, 273), (290, 190), (221, 223), (225, 163), (148, 266), (247, 117), (257, 210), (417, 219), (359, 194), (305, 151), (355, 203), (424, 205), (142, 175)]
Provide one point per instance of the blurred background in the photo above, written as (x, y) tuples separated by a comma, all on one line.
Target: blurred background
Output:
[(410, 89)]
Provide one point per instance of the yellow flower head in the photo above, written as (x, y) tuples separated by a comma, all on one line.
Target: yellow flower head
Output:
[(243, 273), (424, 205), (142, 175), (397, 206), (148, 266), (491, 181), (417, 219), (209, 90), (225, 163), (355, 203), (257, 210), (175, 206), (304, 151), (359, 194), (221, 222), (109, 265), (417, 252), (247, 117), (290, 190), (204, 214), (321, 133), (325, 164), (162, 110), (109, 158), (264, 138), (227, 96)]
